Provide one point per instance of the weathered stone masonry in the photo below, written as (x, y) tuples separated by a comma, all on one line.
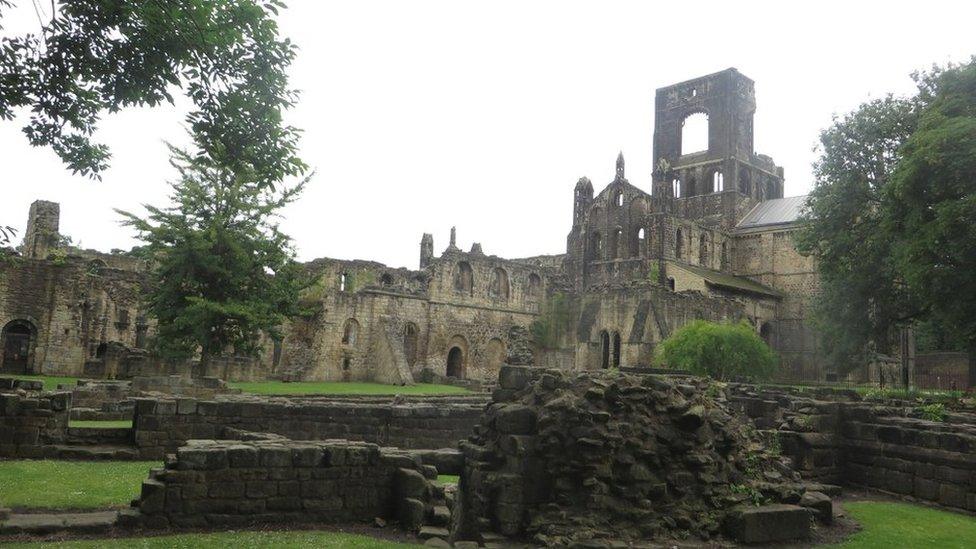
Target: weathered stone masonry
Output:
[(161, 426), (234, 483)]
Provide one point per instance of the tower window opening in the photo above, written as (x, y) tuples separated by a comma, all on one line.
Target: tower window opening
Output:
[(718, 182), (676, 188), (694, 133)]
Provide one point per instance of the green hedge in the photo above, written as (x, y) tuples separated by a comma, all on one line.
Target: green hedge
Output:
[(721, 350)]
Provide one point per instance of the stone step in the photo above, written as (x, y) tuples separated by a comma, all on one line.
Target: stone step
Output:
[(440, 516), (428, 532), (95, 452), (99, 435), (51, 523)]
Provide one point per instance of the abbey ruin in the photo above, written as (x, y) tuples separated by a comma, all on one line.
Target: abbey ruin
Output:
[(710, 240)]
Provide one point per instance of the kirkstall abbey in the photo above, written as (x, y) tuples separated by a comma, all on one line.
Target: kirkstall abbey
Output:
[(712, 239)]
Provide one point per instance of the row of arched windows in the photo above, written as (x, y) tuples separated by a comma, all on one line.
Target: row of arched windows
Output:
[(681, 189), (636, 244), (704, 250), (498, 288)]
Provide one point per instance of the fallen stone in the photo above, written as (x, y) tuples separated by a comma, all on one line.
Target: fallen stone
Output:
[(769, 523), (428, 532), (821, 504)]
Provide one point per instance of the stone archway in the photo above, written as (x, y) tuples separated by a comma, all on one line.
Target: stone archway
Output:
[(455, 363), (17, 343)]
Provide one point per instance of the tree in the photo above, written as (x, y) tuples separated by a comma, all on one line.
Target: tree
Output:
[(861, 298), (222, 271), (96, 57), (932, 207), (721, 350)]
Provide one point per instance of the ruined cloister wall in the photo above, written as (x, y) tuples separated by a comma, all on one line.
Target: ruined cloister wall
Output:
[(161, 426)]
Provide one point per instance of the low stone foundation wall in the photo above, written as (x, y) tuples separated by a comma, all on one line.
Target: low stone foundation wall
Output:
[(29, 422), (833, 436), (928, 460), (161, 426), (224, 483)]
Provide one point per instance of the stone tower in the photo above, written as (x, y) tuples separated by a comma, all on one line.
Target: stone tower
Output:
[(426, 250), (728, 162), (582, 197), (41, 235)]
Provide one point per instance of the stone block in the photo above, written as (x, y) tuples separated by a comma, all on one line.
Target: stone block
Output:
[(410, 514), (769, 523), (514, 378), (515, 419), (821, 504), (411, 484)]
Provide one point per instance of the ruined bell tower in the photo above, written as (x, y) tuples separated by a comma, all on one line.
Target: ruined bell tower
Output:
[(722, 105)]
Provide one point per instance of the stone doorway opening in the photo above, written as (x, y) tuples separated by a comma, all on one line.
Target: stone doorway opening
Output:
[(455, 363), (18, 340), (604, 349)]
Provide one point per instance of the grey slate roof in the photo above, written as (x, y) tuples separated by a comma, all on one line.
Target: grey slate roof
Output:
[(778, 211)]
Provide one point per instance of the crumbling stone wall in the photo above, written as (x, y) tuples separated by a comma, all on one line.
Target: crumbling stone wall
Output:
[(30, 421), (162, 425), (566, 459), (834, 436), (236, 483)]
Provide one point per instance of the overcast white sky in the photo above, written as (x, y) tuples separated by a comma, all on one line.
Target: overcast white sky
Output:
[(421, 115)]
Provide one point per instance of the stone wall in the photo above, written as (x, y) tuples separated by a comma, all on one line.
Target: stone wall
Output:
[(928, 460), (223, 483), (833, 436), (161, 426), (29, 422)]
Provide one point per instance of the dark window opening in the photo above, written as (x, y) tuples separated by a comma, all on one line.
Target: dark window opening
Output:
[(604, 350), (464, 279), (455, 363), (616, 350)]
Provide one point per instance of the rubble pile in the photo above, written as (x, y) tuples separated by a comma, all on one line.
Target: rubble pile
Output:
[(563, 458)]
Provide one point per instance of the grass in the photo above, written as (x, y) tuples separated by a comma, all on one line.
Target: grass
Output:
[(52, 484), (447, 479), (50, 382), (101, 424), (238, 540), (889, 525), (344, 388)]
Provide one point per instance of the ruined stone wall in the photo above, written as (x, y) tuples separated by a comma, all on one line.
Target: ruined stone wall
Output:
[(832, 436), (161, 426), (236, 483), (643, 316), (30, 422), (73, 305)]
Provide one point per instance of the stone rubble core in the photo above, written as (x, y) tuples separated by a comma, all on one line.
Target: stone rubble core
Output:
[(272, 480), (564, 458)]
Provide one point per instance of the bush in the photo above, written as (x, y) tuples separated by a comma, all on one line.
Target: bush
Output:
[(721, 350)]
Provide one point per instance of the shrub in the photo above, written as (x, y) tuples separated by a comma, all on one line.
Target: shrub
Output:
[(933, 412), (721, 350)]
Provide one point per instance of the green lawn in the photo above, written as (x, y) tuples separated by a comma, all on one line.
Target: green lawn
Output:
[(50, 382), (447, 479), (101, 424), (238, 540), (344, 388), (71, 484), (888, 525)]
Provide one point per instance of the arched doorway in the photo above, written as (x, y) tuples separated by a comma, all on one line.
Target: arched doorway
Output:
[(616, 350), (18, 347), (455, 363), (604, 350)]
